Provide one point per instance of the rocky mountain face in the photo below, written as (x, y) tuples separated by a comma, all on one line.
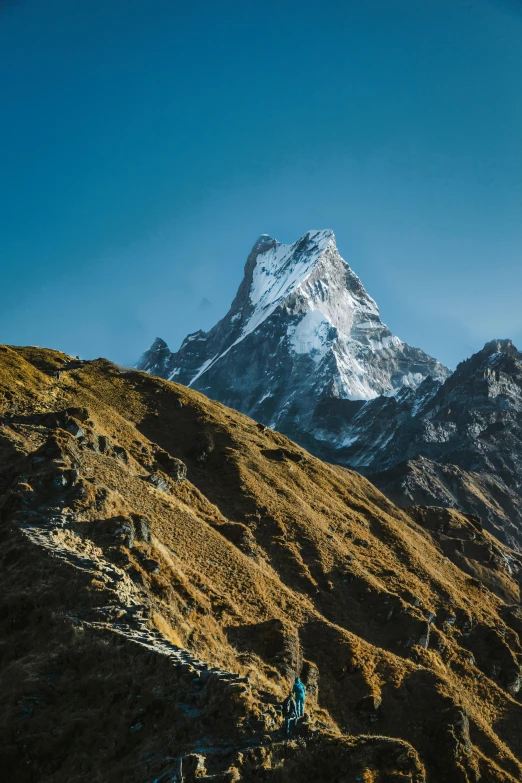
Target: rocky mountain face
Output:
[(456, 444), (168, 566), (301, 328)]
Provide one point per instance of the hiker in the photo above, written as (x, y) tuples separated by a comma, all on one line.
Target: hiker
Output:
[(289, 713), (299, 691)]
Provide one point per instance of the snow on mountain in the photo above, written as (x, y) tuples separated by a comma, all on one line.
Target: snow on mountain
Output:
[(279, 271), (300, 329)]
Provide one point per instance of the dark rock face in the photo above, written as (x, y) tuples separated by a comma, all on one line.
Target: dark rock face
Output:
[(158, 355), (425, 482), (462, 539), (301, 328), (456, 444)]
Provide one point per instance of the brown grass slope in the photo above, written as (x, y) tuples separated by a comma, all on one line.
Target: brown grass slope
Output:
[(262, 561)]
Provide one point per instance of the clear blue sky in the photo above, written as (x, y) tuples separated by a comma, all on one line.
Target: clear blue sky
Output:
[(144, 146)]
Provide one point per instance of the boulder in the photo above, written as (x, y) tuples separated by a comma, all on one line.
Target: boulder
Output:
[(160, 481), (514, 683), (172, 466), (424, 640), (120, 453), (177, 470), (142, 528), (104, 444), (74, 428)]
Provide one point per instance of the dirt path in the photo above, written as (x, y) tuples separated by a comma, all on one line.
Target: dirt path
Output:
[(61, 543)]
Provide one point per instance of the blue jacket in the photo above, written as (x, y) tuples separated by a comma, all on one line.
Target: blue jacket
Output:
[(299, 690)]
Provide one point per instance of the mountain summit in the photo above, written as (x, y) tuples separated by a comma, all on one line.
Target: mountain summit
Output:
[(301, 328)]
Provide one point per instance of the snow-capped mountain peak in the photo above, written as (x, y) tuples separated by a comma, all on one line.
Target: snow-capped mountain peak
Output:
[(301, 328), (281, 267), (279, 270)]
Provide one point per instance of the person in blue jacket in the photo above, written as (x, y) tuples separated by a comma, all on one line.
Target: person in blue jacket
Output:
[(299, 693)]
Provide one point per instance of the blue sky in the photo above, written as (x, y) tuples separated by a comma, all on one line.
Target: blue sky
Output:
[(145, 146)]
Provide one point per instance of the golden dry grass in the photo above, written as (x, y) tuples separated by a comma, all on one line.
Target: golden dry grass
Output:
[(271, 560)]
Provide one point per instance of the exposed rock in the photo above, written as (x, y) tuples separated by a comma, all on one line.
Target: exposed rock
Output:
[(514, 685), (142, 527), (177, 470), (104, 444), (161, 481), (173, 467), (310, 677), (81, 414), (120, 453), (129, 531), (424, 640), (455, 445), (153, 566), (74, 428)]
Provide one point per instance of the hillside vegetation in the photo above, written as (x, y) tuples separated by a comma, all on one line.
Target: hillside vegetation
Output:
[(169, 565)]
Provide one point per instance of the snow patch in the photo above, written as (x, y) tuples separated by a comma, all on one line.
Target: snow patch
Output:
[(311, 335), (423, 400), (264, 397), (348, 441), (412, 379), (203, 368), (495, 357), (355, 381), (280, 270)]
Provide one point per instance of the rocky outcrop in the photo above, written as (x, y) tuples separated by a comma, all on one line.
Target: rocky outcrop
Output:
[(457, 444)]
